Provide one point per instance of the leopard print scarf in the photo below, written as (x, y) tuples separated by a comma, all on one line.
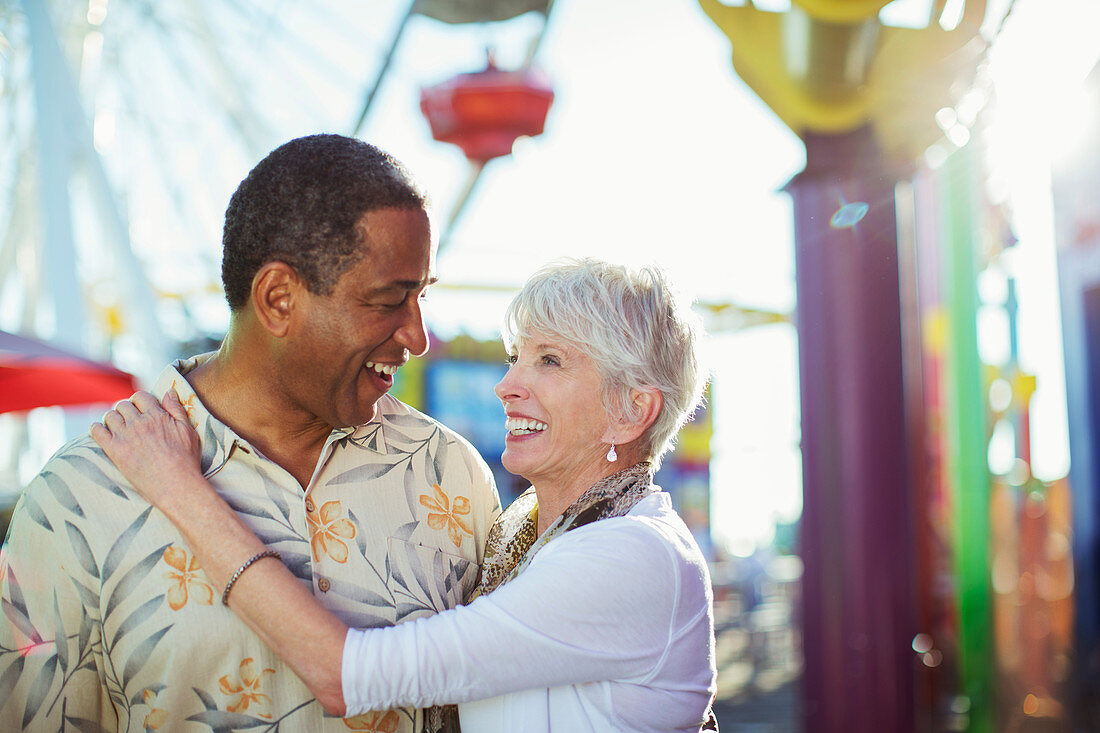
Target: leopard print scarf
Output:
[(513, 539)]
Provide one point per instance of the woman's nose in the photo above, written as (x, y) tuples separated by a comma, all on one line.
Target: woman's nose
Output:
[(510, 387)]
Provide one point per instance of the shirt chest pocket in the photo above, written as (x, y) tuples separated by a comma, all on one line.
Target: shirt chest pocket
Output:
[(425, 580)]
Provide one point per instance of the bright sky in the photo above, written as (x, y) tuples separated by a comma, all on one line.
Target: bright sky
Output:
[(654, 151)]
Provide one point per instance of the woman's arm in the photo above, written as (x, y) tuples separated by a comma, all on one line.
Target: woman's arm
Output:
[(604, 602), (156, 448)]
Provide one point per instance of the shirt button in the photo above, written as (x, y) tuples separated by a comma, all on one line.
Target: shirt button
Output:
[(324, 585), (309, 505)]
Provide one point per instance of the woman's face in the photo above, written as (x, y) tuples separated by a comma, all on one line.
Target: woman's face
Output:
[(558, 429)]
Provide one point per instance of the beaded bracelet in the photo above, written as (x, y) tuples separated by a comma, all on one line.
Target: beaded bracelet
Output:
[(242, 568)]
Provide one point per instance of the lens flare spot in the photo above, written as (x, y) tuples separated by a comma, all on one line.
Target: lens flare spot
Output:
[(849, 215)]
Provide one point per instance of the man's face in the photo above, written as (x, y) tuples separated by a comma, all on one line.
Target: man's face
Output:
[(341, 355)]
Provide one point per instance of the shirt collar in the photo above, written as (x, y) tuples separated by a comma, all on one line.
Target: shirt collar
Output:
[(218, 439), (372, 434)]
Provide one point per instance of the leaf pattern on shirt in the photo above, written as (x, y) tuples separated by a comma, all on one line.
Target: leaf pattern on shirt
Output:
[(274, 526), (300, 564), (82, 550), (277, 494), (11, 674), (61, 493), (122, 544), (214, 451), (222, 721), (28, 641), (404, 447), (121, 623), (80, 462), (15, 608), (39, 689), (35, 511), (55, 654), (424, 579), (275, 530)]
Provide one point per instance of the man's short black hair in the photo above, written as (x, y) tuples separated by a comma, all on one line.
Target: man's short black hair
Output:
[(302, 205)]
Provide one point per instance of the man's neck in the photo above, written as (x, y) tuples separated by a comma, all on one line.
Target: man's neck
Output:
[(239, 396)]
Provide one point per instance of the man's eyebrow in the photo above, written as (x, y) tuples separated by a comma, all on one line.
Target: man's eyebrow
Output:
[(409, 284)]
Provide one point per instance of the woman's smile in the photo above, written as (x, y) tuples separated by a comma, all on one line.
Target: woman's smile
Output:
[(520, 426)]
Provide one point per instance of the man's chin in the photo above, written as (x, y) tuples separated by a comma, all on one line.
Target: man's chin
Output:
[(361, 414)]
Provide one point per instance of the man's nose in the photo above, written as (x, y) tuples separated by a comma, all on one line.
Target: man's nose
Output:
[(413, 334)]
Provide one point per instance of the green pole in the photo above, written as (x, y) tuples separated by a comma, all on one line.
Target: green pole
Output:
[(967, 435)]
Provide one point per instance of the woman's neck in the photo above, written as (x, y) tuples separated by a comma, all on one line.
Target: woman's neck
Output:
[(555, 497), (551, 506)]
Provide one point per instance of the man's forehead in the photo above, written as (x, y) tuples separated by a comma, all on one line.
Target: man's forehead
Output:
[(397, 252)]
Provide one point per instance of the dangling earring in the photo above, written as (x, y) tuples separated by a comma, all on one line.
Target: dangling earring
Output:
[(612, 456)]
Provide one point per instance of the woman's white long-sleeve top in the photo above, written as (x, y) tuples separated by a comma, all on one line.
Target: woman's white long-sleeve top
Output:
[(610, 628)]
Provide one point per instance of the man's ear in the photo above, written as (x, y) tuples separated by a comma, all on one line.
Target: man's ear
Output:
[(276, 291), (647, 403)]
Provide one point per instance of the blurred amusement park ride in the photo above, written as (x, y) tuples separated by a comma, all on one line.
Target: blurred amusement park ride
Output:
[(940, 592)]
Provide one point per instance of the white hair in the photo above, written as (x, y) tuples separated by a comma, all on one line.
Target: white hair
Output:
[(638, 332)]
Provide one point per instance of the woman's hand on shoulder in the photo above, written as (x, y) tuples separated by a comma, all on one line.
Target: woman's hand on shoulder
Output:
[(152, 443)]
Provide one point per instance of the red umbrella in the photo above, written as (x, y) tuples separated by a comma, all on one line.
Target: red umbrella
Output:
[(36, 374)]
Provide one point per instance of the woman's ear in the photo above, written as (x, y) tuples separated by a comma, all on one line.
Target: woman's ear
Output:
[(276, 288), (646, 404)]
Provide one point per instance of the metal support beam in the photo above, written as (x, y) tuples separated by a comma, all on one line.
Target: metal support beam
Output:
[(55, 170), (386, 60), (857, 538), (66, 150), (967, 435)]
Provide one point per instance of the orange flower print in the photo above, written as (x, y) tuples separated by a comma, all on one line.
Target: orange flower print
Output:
[(327, 527), (385, 721), (443, 513), (156, 717), (188, 405), (186, 581), (248, 688)]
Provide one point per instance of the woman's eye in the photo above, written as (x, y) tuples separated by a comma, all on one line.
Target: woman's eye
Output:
[(510, 359), (550, 360)]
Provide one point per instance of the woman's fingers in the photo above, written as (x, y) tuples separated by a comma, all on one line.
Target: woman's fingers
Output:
[(114, 420), (145, 403), (100, 434), (121, 423), (175, 408)]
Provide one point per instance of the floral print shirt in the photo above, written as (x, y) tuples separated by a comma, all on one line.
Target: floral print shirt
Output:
[(110, 624)]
